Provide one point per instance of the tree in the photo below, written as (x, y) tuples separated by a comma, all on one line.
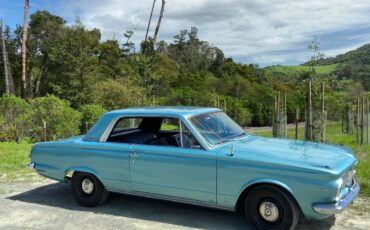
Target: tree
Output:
[(8, 79), (159, 22), (148, 27), (24, 49), (314, 46), (45, 35)]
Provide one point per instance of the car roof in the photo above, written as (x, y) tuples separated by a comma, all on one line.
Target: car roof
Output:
[(184, 111)]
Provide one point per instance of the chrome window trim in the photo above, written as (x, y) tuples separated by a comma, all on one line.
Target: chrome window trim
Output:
[(181, 140)]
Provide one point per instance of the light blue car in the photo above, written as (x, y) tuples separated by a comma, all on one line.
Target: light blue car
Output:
[(200, 156)]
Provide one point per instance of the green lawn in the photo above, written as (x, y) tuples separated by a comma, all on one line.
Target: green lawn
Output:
[(14, 157), (13, 161), (334, 135)]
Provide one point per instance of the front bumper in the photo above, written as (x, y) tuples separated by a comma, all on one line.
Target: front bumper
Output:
[(331, 209)]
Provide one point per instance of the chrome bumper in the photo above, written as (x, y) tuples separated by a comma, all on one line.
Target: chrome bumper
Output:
[(332, 209), (31, 165)]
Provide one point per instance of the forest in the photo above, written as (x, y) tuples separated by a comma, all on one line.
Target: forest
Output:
[(73, 76)]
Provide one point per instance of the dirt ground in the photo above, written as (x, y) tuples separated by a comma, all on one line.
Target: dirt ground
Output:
[(50, 205)]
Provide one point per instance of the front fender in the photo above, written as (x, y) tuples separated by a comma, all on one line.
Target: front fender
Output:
[(265, 181)]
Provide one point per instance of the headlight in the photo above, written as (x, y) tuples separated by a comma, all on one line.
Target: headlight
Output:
[(346, 181), (340, 187)]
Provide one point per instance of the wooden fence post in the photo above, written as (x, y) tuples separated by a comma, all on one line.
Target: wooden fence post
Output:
[(296, 123), (45, 131), (309, 112)]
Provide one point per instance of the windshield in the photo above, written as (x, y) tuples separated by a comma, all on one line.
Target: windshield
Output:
[(216, 127)]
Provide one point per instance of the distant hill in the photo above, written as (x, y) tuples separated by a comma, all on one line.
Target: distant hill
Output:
[(299, 69), (359, 56), (353, 65)]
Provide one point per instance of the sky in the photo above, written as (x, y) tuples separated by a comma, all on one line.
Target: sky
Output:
[(263, 32)]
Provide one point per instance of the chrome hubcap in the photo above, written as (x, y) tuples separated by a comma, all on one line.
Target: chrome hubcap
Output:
[(269, 211), (87, 186)]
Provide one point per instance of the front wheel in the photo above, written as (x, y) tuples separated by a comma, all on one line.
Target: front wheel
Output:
[(269, 207), (88, 190)]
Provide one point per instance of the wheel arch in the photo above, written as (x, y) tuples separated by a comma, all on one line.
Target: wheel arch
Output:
[(253, 184), (68, 174)]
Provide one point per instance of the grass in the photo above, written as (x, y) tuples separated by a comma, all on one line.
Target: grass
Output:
[(289, 70), (14, 157), (334, 135), (13, 161)]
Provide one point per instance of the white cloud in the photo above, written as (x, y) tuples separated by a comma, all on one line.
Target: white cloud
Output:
[(270, 32)]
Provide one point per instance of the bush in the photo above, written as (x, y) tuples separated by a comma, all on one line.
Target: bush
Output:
[(116, 94), (13, 125), (61, 120), (90, 114)]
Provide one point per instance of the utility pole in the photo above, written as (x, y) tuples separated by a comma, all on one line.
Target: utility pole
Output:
[(9, 84), (24, 49)]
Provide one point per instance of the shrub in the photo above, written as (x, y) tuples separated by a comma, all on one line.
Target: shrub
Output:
[(90, 114), (13, 125), (116, 94), (61, 120)]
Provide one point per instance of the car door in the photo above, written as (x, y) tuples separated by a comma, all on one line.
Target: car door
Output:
[(179, 172)]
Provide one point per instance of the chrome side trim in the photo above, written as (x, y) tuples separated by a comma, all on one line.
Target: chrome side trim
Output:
[(331, 209), (31, 165), (175, 199)]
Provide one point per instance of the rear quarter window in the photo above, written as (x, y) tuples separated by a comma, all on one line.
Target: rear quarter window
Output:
[(127, 123)]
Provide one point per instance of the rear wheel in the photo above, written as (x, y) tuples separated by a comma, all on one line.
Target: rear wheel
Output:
[(270, 207), (88, 190)]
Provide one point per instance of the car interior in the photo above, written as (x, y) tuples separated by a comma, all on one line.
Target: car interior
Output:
[(160, 131)]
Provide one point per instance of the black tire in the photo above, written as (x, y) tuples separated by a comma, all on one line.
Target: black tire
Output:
[(94, 198), (260, 199)]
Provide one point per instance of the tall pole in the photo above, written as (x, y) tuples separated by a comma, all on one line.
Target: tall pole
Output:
[(159, 22), (150, 19), (278, 115), (323, 128), (362, 119), (285, 118), (8, 79), (225, 108), (296, 123), (367, 121), (274, 117), (358, 121), (309, 134), (24, 49)]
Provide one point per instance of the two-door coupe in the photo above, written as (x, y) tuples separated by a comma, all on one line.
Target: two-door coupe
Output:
[(200, 156)]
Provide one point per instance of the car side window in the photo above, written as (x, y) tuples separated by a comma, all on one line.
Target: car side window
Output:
[(170, 124), (158, 131), (188, 139), (126, 124)]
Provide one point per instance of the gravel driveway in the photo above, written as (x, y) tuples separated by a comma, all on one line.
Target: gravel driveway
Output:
[(50, 205)]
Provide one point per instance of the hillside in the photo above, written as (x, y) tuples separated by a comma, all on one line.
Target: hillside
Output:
[(299, 69), (353, 65), (360, 55)]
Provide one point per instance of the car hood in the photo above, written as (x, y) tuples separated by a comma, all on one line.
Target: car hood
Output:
[(326, 157)]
